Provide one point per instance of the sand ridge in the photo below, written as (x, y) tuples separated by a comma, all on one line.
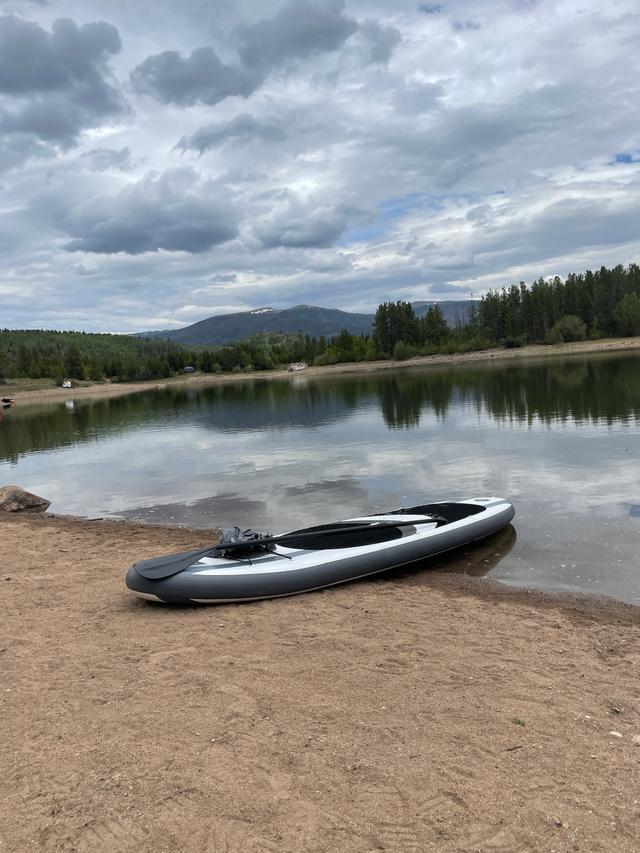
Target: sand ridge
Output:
[(416, 711)]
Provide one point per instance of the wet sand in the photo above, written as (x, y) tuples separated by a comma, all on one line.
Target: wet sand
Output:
[(417, 711), (86, 391)]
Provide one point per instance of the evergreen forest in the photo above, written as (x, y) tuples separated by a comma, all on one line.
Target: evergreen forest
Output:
[(592, 305)]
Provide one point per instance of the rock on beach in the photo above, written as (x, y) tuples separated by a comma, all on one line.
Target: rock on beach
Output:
[(15, 499)]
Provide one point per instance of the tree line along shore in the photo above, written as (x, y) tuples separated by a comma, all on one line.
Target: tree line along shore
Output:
[(589, 306)]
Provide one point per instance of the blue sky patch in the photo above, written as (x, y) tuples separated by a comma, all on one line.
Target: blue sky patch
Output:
[(389, 211), (626, 157)]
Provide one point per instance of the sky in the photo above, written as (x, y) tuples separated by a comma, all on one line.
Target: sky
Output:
[(164, 162)]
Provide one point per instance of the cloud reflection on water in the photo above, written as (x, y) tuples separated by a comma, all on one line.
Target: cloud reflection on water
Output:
[(560, 442)]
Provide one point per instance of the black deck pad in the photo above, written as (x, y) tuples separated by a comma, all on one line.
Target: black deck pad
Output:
[(342, 537), (449, 512)]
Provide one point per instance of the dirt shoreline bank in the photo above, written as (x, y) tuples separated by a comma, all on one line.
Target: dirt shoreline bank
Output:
[(420, 711), (105, 390)]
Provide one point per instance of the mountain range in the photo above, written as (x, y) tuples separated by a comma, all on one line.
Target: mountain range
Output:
[(308, 319)]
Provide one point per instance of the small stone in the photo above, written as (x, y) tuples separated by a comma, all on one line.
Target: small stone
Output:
[(636, 740), (615, 734)]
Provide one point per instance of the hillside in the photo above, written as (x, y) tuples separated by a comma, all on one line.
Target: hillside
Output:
[(308, 319), (40, 353)]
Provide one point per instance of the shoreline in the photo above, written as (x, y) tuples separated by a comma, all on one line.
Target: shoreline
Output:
[(416, 710), (455, 580), (105, 390)]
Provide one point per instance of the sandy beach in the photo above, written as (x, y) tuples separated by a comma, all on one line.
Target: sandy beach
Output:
[(42, 393), (417, 711)]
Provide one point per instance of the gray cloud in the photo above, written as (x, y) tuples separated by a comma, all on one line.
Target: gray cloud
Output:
[(242, 128), (69, 55), (57, 118), (16, 148), (460, 26), (223, 278), (443, 287), (417, 97), (83, 269), (174, 211), (380, 41), (305, 225), (64, 88), (201, 78), (467, 145), (300, 29), (567, 225), (101, 159), (297, 31)]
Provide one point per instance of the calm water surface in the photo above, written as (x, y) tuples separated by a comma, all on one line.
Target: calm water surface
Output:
[(558, 438)]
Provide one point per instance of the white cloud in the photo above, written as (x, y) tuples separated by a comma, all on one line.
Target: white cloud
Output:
[(353, 152)]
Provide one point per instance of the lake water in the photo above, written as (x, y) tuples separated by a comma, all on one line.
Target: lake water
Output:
[(559, 438)]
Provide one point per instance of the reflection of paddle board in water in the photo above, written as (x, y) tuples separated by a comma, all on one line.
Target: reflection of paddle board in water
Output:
[(247, 566), (480, 557)]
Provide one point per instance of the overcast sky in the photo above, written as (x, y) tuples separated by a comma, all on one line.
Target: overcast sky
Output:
[(161, 162)]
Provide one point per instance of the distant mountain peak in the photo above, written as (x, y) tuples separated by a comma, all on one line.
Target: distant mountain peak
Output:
[(306, 319)]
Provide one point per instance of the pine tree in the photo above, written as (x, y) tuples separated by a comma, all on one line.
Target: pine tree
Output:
[(73, 366), (435, 326), (627, 314)]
